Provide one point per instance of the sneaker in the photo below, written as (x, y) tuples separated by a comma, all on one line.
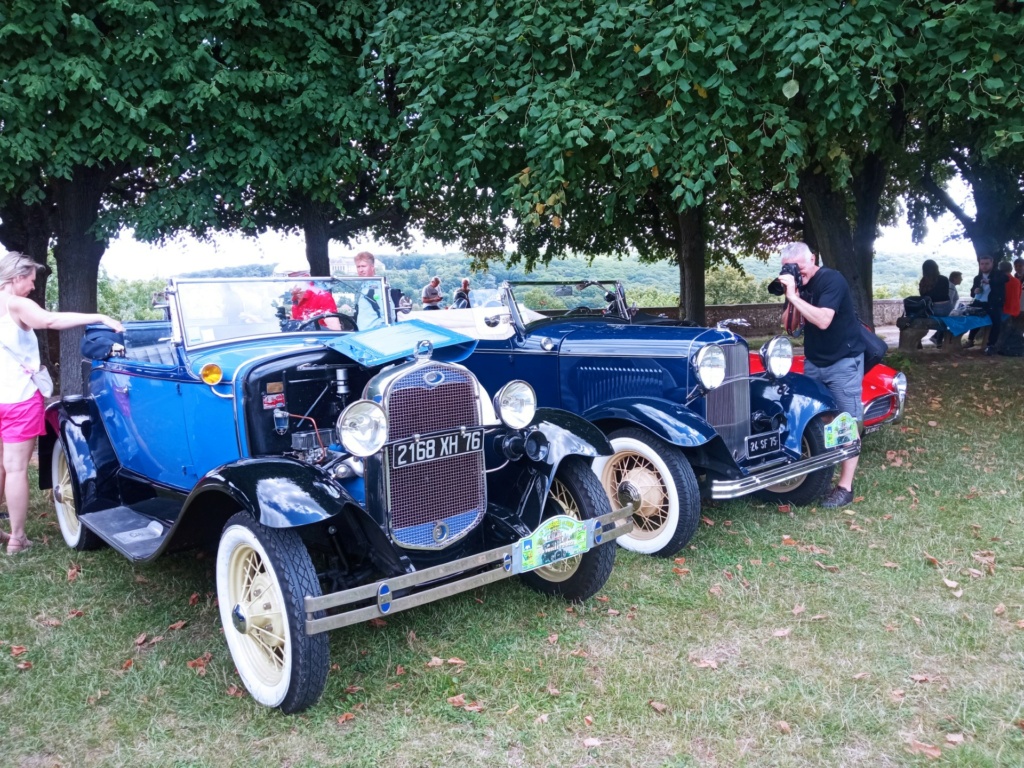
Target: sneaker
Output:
[(838, 497)]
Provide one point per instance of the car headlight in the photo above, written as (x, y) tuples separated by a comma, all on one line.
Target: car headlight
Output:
[(362, 428), (516, 404), (899, 381), (710, 365), (777, 356)]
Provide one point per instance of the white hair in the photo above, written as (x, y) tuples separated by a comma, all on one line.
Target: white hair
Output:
[(797, 252)]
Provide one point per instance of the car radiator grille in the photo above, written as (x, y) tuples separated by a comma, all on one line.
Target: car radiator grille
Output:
[(879, 407), (729, 405), (434, 503)]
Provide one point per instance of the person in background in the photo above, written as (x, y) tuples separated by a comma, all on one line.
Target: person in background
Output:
[(431, 296), (310, 301), (1018, 269), (936, 287), (1011, 302), (366, 265), (21, 402), (461, 298), (988, 291), (955, 278), (833, 346), (369, 312)]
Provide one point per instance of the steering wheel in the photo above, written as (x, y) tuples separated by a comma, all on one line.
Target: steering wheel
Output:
[(347, 323), (580, 310)]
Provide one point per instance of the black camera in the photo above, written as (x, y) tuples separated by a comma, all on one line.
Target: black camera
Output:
[(776, 288)]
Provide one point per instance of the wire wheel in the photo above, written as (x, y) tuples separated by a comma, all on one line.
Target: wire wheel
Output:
[(254, 595), (66, 500), (561, 502), (652, 493)]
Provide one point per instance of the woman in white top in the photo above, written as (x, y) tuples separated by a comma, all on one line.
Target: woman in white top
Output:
[(21, 402)]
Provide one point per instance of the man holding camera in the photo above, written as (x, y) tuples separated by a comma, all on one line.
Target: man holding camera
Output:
[(833, 346)]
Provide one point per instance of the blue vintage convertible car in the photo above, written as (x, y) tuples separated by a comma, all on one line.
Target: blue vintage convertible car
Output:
[(341, 475), (682, 410)]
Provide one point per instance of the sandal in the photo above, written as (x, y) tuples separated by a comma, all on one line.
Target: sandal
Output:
[(21, 542)]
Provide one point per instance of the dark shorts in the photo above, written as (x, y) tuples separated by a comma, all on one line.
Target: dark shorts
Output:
[(843, 380)]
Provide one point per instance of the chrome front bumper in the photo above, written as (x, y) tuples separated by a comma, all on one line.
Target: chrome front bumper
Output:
[(378, 599), (731, 489)]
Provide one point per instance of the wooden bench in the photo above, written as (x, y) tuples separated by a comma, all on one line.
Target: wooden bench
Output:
[(914, 329)]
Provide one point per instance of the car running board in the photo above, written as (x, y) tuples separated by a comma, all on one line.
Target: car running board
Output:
[(128, 530)]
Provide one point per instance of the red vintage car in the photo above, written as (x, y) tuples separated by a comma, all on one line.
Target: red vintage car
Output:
[(883, 391)]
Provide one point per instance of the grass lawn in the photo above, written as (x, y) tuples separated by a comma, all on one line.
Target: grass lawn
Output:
[(887, 634)]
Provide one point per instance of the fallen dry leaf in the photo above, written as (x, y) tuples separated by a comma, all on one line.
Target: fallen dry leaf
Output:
[(377, 623), (928, 750), (199, 664), (435, 662), (950, 583), (716, 590), (680, 561), (890, 565), (552, 639), (612, 612), (18, 650), (953, 739), (784, 509), (798, 609), (91, 700), (350, 689), (345, 718), (602, 598), (128, 664), (74, 613), (707, 520), (234, 690), (829, 568), (579, 653), (155, 640), (591, 743), (898, 695), (399, 670), (23, 665), (999, 610), (193, 599), (73, 571), (455, 661), (681, 571), (932, 561), (706, 664), (552, 691), (141, 639), (862, 676), (540, 718), (459, 700), (178, 625), (920, 678), (588, 720), (782, 632), (474, 706), (658, 707), (49, 622), (783, 727)]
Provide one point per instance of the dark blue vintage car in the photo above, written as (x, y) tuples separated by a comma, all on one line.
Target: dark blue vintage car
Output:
[(341, 475), (683, 412)]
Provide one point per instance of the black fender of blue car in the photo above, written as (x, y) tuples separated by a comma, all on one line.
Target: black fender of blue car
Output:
[(91, 457), (801, 399)]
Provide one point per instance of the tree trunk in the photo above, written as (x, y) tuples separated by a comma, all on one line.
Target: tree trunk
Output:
[(29, 229), (78, 252), (316, 219), (691, 253), (826, 211)]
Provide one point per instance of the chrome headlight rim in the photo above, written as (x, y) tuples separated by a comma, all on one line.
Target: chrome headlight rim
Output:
[(709, 366), (777, 357), (899, 383), (353, 418), (516, 404)]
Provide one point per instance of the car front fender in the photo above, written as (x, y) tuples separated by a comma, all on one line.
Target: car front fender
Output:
[(279, 492), (801, 399), (672, 422)]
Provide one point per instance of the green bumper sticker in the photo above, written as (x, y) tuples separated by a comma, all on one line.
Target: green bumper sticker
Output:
[(556, 539), (841, 431)]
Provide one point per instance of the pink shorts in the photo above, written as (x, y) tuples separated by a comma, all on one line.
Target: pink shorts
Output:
[(22, 421)]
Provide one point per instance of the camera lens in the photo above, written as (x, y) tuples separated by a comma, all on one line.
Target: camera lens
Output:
[(776, 288)]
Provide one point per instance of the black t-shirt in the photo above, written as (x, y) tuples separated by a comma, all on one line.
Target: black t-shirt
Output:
[(939, 291), (829, 289)]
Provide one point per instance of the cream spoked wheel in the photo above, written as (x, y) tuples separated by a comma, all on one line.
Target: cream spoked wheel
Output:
[(575, 492), (263, 575), (65, 502), (656, 478)]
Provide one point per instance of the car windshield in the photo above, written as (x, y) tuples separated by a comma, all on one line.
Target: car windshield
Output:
[(218, 310), (589, 297)]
